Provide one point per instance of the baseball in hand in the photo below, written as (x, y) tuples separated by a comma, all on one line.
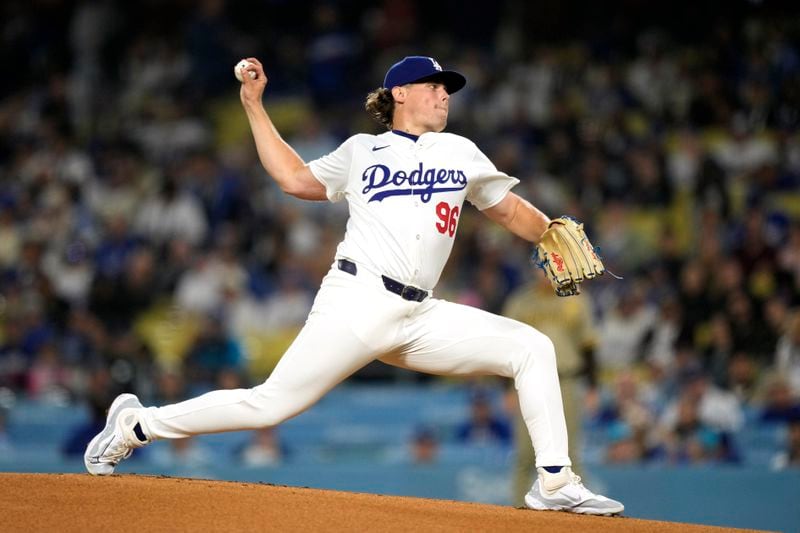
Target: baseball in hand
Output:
[(239, 70)]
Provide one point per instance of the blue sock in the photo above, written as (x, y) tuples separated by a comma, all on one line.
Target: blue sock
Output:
[(137, 430), (553, 469)]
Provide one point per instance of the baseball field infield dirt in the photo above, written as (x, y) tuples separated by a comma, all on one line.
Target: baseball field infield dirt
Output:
[(77, 502)]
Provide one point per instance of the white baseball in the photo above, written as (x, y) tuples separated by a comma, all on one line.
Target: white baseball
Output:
[(240, 68)]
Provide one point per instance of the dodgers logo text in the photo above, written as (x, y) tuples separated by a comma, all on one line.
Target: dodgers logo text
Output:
[(422, 182)]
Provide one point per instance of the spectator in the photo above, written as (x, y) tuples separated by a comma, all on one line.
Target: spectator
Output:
[(183, 454), (484, 427), (624, 330), (246, 314), (131, 362), (789, 258), (663, 337), (13, 361), (750, 333), (776, 313), (70, 272), (264, 448), (49, 380), (172, 213), (688, 440), (289, 305), (716, 408), (201, 288), (332, 54), (214, 350), (10, 236), (6, 448), (114, 250), (790, 457), (719, 351), (787, 352), (694, 300), (743, 375), (780, 404), (424, 446), (118, 300), (626, 445), (83, 338), (170, 386), (178, 258), (629, 406), (98, 394)]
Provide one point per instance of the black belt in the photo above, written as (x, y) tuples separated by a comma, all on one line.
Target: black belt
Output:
[(406, 292)]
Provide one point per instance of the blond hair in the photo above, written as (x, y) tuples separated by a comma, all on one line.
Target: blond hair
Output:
[(380, 106)]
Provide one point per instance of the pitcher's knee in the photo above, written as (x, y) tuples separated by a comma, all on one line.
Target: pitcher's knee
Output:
[(545, 347), (537, 351)]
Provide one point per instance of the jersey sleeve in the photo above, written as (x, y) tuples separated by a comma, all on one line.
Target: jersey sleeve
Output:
[(487, 184), (333, 170)]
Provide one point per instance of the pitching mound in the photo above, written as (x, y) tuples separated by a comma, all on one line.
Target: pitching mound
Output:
[(74, 502)]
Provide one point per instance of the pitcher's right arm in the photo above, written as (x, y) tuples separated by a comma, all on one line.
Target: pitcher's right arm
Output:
[(278, 158)]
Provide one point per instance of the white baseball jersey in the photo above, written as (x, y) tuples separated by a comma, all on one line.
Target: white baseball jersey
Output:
[(405, 198)]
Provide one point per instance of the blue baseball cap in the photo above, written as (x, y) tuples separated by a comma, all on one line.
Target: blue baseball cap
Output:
[(413, 69)]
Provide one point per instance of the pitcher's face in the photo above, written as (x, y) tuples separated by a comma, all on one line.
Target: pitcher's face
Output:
[(427, 105)]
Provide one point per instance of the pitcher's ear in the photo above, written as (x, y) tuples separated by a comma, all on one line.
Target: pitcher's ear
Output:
[(399, 93)]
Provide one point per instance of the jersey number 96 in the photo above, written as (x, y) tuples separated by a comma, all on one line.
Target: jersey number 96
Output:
[(448, 215)]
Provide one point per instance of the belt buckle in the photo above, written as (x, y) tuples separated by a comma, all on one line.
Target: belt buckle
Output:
[(412, 294), (408, 293)]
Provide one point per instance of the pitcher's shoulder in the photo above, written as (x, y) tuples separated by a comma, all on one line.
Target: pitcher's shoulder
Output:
[(446, 136), (362, 138), (369, 139), (455, 143)]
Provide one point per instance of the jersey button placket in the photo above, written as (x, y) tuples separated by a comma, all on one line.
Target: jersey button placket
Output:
[(418, 220)]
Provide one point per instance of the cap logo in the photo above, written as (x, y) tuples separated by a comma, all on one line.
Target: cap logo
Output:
[(436, 64)]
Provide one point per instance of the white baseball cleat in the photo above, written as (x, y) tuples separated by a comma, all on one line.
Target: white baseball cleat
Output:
[(565, 492), (117, 440)]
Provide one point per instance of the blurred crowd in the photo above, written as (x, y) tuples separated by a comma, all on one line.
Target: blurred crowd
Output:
[(142, 246)]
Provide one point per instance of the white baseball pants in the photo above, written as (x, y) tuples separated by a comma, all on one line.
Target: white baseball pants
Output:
[(354, 321)]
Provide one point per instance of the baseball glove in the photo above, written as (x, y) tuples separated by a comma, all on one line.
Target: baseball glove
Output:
[(566, 256)]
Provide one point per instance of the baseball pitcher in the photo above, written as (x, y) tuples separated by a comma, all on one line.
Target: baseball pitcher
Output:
[(405, 189)]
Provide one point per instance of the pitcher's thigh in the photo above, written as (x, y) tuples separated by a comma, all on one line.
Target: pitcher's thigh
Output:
[(336, 340), (454, 339), (324, 354)]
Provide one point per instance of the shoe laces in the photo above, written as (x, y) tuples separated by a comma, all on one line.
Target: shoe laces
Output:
[(574, 478), (117, 451)]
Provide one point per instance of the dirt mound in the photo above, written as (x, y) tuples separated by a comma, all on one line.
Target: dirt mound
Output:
[(74, 502)]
